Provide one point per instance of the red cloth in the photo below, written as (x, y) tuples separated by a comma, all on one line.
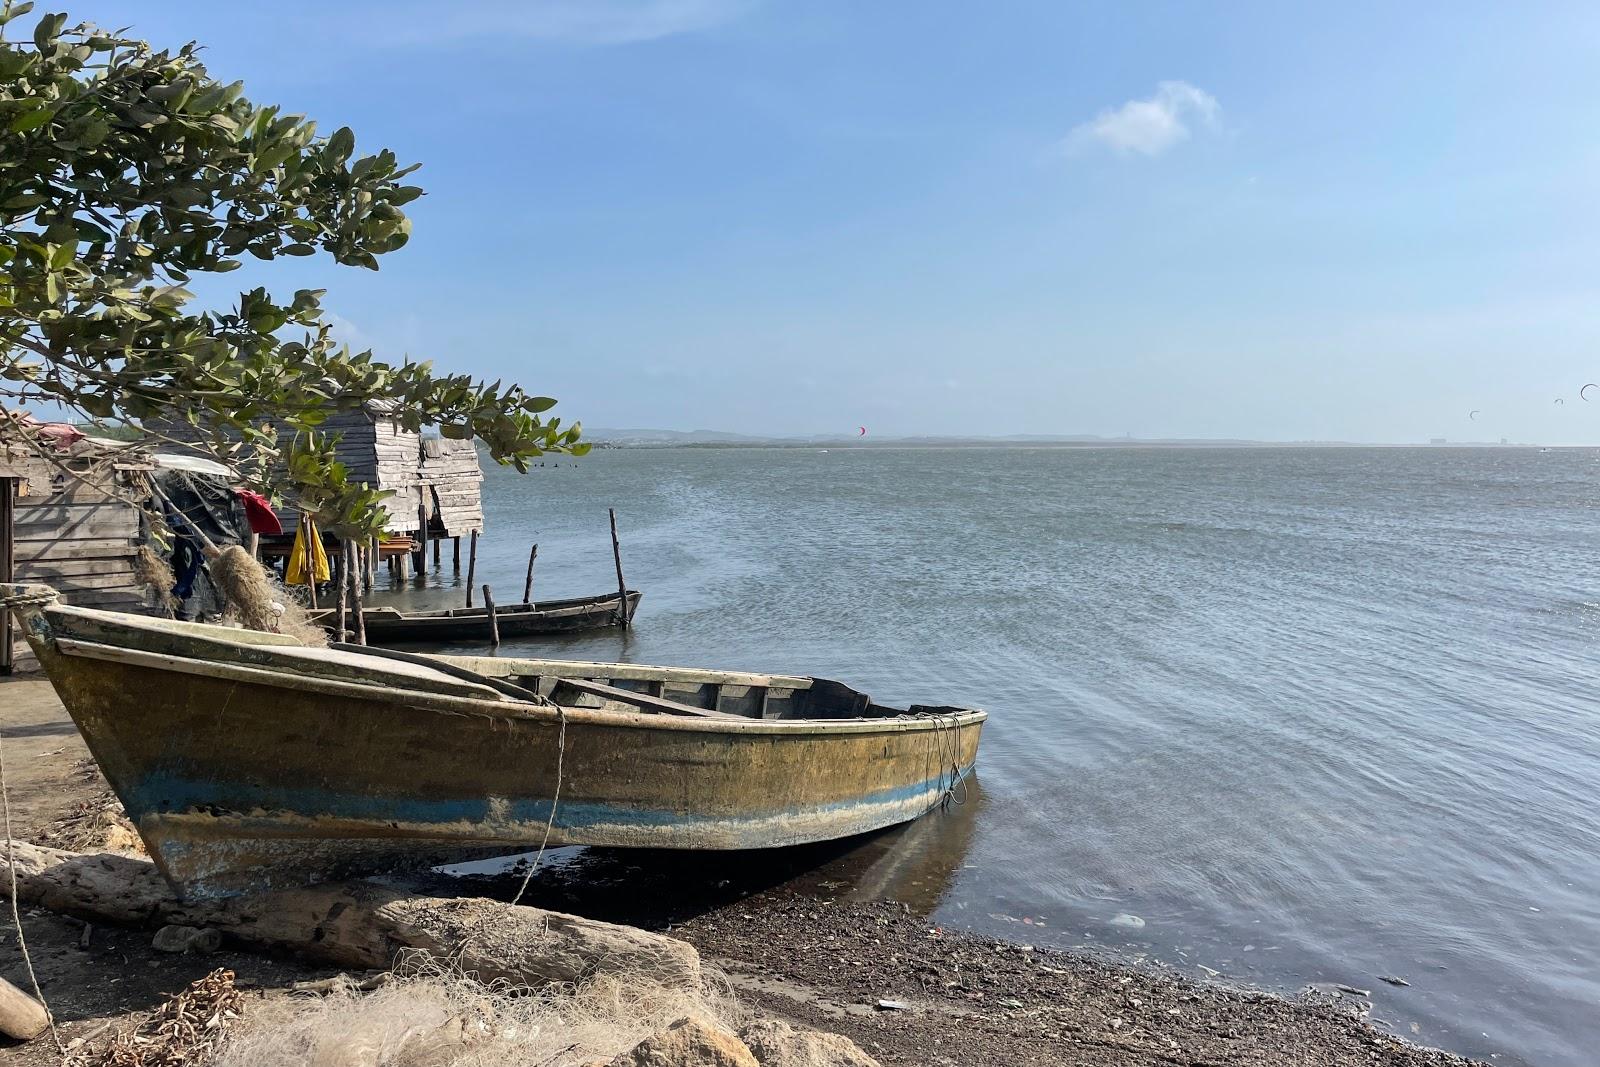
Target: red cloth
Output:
[(262, 519)]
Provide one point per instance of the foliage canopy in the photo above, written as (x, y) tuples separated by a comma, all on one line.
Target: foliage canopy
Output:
[(126, 171)]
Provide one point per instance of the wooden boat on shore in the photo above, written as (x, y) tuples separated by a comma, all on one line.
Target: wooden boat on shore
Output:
[(248, 761), (386, 625)]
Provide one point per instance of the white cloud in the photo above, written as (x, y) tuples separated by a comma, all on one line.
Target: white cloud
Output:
[(573, 22), (1152, 125)]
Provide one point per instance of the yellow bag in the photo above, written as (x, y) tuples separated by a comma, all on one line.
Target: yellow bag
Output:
[(307, 546)]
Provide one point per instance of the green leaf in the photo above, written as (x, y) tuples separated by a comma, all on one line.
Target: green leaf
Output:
[(48, 29), (341, 144), (16, 11), (31, 120)]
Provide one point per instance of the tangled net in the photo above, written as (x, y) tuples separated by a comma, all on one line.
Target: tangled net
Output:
[(256, 601), (441, 1017)]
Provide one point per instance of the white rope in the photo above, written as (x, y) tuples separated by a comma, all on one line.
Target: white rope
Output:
[(16, 914), (561, 747)]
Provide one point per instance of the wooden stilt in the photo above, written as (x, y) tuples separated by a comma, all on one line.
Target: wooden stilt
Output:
[(494, 620), (472, 565), (353, 557), (343, 568), (622, 586), (436, 541), (527, 586), (455, 553), (420, 559)]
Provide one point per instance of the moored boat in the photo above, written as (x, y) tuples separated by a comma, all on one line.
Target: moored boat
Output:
[(248, 761), (387, 625)]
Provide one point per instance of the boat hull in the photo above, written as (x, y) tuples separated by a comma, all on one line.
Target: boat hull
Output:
[(389, 627), (239, 781)]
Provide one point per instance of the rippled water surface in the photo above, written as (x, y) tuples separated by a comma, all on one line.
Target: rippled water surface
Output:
[(1309, 715)]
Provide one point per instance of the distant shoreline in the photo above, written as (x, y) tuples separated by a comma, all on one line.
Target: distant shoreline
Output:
[(999, 443)]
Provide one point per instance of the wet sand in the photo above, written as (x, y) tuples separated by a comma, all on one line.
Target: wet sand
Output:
[(820, 960)]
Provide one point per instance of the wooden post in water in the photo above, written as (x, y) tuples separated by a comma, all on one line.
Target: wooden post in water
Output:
[(436, 541), (343, 569), (420, 562), (494, 621), (622, 586), (455, 553), (472, 565), (354, 567), (527, 586)]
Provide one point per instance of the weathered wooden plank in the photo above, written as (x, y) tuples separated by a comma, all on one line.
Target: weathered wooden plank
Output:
[(48, 566), (97, 548), (76, 520), (68, 583)]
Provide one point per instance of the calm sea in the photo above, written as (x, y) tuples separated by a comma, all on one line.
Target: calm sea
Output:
[(1290, 715)]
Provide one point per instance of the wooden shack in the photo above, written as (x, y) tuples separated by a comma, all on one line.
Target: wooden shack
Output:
[(62, 528), (434, 480)]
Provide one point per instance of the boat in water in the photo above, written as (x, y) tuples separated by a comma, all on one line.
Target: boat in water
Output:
[(386, 625), (249, 761)]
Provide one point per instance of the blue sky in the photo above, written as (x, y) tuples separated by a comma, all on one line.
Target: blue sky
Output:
[(1355, 221)]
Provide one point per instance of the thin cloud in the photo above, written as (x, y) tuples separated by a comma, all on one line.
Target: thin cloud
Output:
[(570, 22), (1150, 126)]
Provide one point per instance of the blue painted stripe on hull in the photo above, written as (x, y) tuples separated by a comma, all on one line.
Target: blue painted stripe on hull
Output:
[(170, 794)]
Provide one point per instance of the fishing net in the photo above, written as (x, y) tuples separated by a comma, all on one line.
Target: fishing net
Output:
[(450, 1020), (155, 573), (256, 601)]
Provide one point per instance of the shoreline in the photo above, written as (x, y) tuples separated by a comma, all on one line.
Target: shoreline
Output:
[(953, 997)]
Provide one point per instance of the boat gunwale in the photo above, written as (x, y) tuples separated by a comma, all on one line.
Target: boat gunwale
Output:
[(388, 613), (551, 714)]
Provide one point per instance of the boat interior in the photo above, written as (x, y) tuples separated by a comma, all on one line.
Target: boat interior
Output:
[(570, 683)]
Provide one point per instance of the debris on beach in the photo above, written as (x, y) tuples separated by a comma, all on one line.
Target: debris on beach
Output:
[(188, 1029)]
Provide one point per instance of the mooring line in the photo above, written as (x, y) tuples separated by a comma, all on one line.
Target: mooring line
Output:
[(16, 914), (561, 750)]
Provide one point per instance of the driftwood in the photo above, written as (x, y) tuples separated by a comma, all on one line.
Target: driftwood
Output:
[(361, 924), (21, 1016)]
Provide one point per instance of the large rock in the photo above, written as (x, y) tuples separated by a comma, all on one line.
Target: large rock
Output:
[(693, 1041), (777, 1044), (360, 923)]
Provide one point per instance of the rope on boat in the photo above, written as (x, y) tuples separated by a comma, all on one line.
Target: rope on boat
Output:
[(948, 755), (555, 798), (28, 599)]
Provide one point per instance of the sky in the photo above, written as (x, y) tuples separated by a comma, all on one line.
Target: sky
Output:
[(1352, 222)]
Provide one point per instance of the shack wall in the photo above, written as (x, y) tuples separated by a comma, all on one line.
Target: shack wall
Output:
[(76, 537), (441, 476)]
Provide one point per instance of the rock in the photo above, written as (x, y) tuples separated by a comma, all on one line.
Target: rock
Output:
[(361, 924), (777, 1044), (893, 1005), (186, 939), (21, 1016), (1393, 979), (693, 1041), (1132, 922)]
